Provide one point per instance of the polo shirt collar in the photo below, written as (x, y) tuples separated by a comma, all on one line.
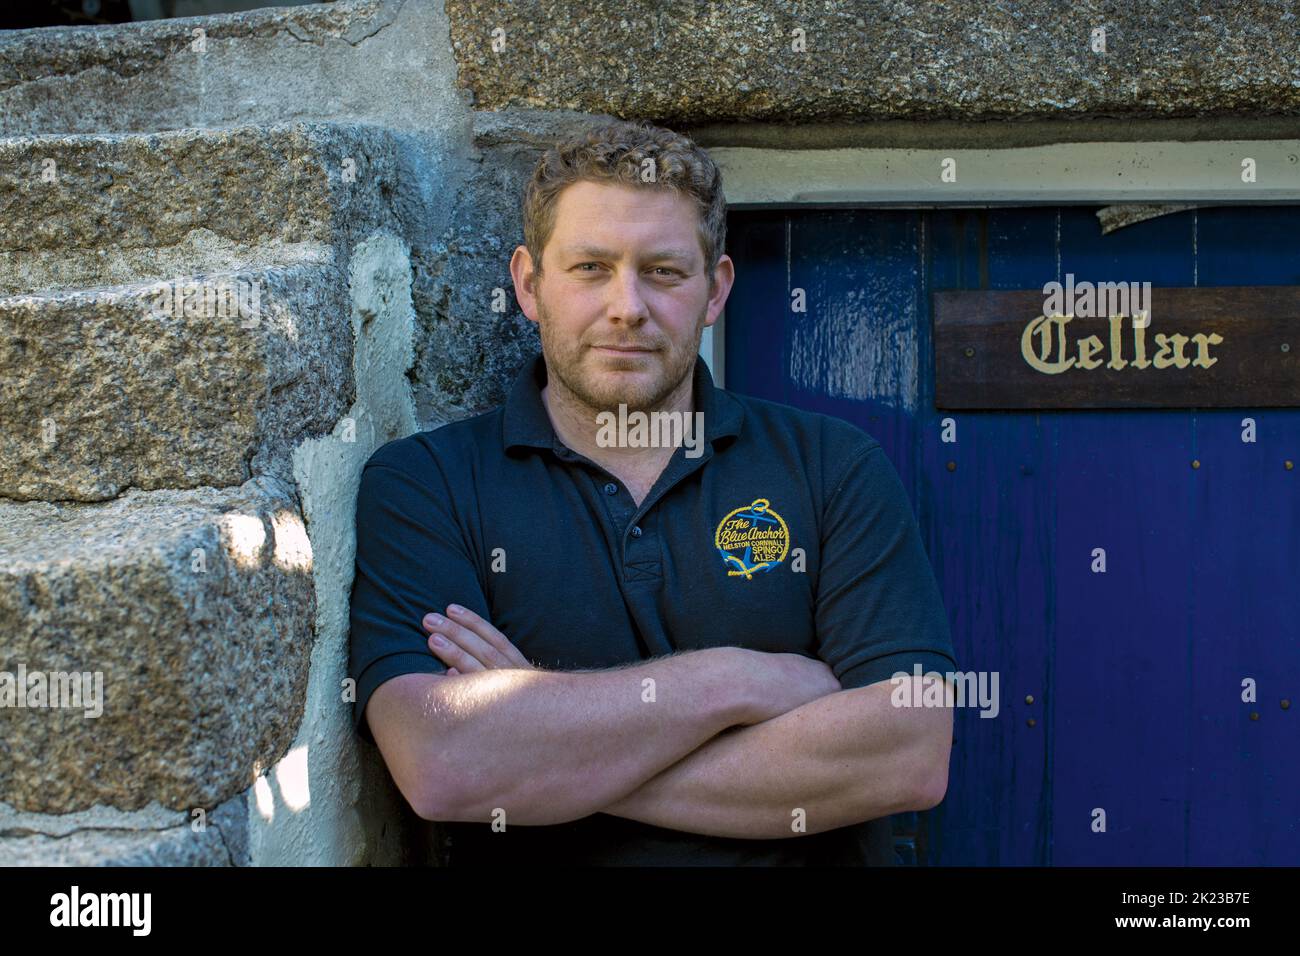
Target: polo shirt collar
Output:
[(526, 423)]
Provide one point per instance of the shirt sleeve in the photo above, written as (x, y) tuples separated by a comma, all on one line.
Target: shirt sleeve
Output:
[(879, 610), (412, 558)]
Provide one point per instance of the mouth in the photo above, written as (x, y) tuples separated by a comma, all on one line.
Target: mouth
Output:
[(623, 350)]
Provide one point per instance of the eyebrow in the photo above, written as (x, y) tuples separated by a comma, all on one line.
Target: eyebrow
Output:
[(657, 255)]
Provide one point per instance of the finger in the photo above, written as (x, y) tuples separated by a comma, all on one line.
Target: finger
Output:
[(484, 629), (453, 655), (473, 629), (452, 672), (486, 654)]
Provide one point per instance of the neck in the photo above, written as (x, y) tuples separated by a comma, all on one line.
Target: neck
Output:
[(576, 424)]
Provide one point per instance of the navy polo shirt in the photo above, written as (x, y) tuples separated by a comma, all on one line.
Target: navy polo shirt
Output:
[(790, 532)]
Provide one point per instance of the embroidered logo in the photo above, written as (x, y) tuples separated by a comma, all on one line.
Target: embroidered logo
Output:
[(752, 539)]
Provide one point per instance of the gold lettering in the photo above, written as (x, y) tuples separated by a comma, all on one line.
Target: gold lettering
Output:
[(1042, 326), (1140, 345), (1046, 353), (1087, 349), (1180, 342), (756, 538), (1203, 343), (1171, 344), (1116, 343)]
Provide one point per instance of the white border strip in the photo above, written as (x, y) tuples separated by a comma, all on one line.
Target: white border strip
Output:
[(1062, 174)]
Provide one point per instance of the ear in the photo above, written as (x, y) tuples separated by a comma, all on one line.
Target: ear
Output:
[(724, 276), (525, 280)]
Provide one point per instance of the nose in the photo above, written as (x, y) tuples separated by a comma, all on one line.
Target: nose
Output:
[(626, 304)]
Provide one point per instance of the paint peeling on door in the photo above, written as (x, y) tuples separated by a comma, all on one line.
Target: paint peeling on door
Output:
[(860, 344)]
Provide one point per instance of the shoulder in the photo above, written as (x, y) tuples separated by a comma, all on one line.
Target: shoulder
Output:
[(446, 449), (813, 428), (826, 442)]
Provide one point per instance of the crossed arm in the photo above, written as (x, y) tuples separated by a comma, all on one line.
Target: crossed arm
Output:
[(843, 758)]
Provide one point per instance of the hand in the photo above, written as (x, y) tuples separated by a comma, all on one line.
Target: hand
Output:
[(471, 643)]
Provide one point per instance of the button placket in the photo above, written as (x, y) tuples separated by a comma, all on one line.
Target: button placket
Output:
[(641, 558), (617, 504)]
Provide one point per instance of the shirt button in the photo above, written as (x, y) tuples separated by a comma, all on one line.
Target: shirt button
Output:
[(636, 531), (611, 489)]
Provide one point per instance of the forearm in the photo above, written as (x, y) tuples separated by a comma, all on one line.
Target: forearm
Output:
[(547, 746), (845, 758)]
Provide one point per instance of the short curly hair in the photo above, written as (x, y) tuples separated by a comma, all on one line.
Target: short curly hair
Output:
[(622, 151)]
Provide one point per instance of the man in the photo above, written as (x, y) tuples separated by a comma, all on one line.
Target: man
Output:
[(575, 645)]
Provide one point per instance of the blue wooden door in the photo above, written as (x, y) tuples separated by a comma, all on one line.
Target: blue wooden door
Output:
[(1121, 691)]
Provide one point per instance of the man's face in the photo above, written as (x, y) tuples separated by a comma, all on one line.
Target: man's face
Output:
[(624, 298)]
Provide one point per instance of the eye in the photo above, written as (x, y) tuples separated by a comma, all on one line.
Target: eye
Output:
[(580, 265), (671, 272)]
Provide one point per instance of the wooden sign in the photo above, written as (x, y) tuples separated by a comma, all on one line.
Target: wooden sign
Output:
[(1071, 348)]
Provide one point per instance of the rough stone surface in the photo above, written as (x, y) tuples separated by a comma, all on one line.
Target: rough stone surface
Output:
[(97, 394), (197, 608), (353, 62), (686, 62), (704, 62), (27, 55), (252, 186), (357, 60), (199, 253), (472, 336), (221, 841)]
